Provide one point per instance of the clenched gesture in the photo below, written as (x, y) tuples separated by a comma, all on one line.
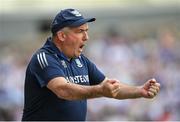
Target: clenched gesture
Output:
[(150, 88), (118, 90)]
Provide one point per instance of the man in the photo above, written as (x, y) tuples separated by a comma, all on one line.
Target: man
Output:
[(59, 78)]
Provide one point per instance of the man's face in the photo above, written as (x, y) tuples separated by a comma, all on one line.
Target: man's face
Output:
[(75, 39)]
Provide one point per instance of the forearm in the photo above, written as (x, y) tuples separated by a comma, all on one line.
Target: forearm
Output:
[(75, 92), (127, 92), (70, 91)]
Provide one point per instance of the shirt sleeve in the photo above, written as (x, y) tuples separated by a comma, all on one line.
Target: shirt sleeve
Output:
[(45, 67), (95, 75)]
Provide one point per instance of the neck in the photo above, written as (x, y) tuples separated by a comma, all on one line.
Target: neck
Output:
[(62, 48)]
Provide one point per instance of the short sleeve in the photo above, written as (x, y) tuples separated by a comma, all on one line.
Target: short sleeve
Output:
[(95, 75), (45, 67)]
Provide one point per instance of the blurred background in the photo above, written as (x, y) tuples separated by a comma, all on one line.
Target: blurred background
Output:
[(132, 40)]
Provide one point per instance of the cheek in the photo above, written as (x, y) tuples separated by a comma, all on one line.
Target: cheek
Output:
[(73, 40), (75, 37)]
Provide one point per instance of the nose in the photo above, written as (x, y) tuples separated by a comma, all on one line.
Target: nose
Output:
[(85, 36)]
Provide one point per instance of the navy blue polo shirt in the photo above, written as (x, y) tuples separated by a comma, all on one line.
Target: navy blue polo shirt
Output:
[(47, 63)]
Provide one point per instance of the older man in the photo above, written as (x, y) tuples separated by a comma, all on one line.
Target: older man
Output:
[(59, 78)]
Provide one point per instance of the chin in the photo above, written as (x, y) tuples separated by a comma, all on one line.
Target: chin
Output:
[(77, 55)]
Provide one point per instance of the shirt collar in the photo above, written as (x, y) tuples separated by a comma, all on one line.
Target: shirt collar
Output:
[(49, 45)]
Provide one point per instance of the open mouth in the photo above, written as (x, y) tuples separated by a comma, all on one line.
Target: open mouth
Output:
[(81, 47)]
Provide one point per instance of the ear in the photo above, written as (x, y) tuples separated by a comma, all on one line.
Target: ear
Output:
[(61, 36)]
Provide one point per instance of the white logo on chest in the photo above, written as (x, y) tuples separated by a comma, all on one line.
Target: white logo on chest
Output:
[(63, 63), (78, 63)]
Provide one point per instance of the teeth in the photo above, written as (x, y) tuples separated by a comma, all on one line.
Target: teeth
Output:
[(80, 50)]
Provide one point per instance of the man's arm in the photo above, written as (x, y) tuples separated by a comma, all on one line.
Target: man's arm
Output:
[(148, 90), (70, 91)]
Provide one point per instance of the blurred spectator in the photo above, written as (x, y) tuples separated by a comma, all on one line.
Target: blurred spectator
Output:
[(134, 61), (131, 60)]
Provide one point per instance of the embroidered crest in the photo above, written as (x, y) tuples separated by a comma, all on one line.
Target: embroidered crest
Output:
[(76, 13), (78, 63), (63, 63)]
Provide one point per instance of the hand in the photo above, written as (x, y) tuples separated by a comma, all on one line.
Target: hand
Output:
[(150, 89), (108, 87)]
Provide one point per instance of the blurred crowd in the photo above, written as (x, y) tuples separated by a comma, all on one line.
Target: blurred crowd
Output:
[(131, 60), (134, 61)]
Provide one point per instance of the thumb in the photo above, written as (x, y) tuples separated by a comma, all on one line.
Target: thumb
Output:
[(152, 81), (113, 81), (148, 83)]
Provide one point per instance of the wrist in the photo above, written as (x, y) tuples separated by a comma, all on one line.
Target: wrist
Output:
[(99, 89), (140, 91)]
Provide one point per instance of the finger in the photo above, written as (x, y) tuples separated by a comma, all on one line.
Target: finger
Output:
[(112, 81), (116, 90), (158, 84), (152, 81), (116, 85), (150, 94), (155, 88), (154, 91)]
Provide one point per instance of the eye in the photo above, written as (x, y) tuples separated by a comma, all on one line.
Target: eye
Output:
[(78, 31), (81, 30)]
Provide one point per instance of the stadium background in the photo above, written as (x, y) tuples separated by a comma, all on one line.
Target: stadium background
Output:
[(131, 41)]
